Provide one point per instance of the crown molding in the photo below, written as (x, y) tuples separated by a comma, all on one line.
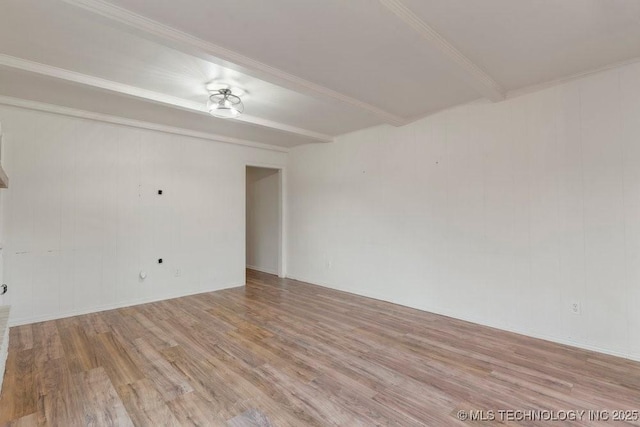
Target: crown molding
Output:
[(572, 77), (106, 118), (470, 72), (187, 43), (98, 82)]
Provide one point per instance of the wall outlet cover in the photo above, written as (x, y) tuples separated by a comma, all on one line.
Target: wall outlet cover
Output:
[(575, 307)]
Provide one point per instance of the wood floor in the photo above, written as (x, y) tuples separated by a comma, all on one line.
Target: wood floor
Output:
[(292, 354)]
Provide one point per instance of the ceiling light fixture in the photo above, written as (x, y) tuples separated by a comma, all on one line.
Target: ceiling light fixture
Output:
[(224, 104)]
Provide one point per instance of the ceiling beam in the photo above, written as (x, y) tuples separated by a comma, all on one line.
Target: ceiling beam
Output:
[(187, 43), (106, 118), (149, 95), (468, 70)]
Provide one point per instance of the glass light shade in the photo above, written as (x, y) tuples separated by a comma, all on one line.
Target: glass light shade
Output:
[(225, 104)]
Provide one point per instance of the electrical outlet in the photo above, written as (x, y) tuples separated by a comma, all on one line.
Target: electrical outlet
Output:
[(178, 272), (575, 307)]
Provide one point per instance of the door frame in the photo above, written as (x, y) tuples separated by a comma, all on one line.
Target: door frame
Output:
[(282, 229)]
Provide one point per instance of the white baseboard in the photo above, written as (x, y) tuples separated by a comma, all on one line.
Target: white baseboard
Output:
[(448, 313), (262, 270), (551, 338), (71, 313)]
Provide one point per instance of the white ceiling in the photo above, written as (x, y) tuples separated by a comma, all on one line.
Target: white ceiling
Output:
[(528, 42), (312, 69)]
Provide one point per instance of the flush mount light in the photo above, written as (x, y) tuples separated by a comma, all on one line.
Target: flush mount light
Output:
[(224, 104)]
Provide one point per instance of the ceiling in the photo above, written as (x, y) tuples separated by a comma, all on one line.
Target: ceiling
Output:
[(311, 70)]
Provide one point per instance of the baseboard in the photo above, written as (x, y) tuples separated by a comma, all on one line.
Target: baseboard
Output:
[(262, 270), (71, 313), (551, 338)]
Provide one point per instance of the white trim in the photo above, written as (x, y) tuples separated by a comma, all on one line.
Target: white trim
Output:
[(262, 270), (71, 313), (551, 338), (82, 114), (563, 80), (282, 235), (533, 88), (284, 224), (320, 137), (473, 74), (478, 101), (137, 92), (98, 82), (187, 43)]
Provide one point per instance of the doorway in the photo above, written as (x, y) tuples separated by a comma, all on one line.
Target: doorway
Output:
[(264, 222)]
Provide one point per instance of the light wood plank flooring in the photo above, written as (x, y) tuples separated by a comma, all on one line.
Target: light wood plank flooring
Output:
[(296, 355)]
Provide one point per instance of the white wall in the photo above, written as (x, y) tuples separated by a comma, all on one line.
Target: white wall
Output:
[(2, 297), (3, 300), (500, 214), (82, 215), (263, 219)]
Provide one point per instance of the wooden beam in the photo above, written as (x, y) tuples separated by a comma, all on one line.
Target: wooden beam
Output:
[(192, 45), (149, 95), (468, 70), (106, 118)]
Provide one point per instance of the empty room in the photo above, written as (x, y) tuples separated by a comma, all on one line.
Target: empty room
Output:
[(250, 213)]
